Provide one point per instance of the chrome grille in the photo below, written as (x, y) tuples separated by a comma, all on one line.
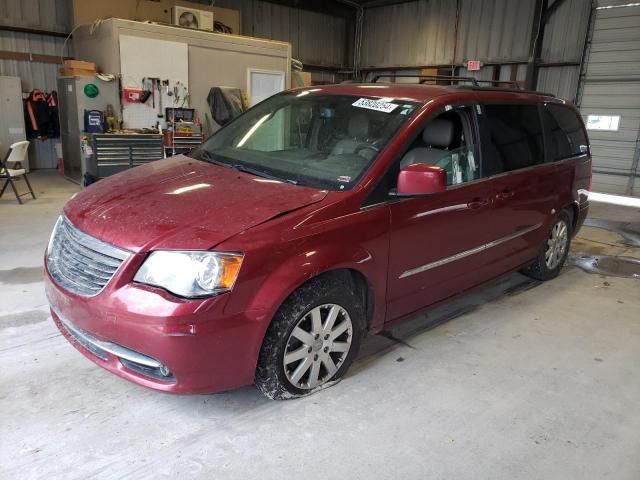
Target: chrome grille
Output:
[(80, 263)]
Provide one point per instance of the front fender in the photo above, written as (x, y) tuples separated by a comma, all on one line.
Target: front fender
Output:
[(315, 261), (358, 241)]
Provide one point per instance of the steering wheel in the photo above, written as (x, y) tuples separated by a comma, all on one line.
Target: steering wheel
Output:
[(366, 145)]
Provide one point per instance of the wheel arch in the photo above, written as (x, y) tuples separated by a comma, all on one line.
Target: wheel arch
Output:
[(353, 277), (574, 211), (363, 269), (271, 376), (357, 281)]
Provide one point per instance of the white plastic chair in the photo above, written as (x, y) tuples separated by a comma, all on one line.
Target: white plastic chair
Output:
[(15, 156)]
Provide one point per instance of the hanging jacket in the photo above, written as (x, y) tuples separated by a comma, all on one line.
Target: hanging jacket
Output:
[(225, 104), (41, 115), (36, 115)]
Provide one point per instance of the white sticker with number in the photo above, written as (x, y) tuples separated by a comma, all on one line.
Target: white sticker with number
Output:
[(375, 105)]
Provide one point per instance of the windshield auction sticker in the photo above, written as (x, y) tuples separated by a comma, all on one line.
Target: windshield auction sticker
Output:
[(375, 105)]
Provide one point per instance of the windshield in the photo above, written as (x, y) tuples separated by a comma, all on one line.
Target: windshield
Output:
[(323, 141)]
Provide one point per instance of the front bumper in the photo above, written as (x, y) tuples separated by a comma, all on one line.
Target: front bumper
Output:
[(154, 339)]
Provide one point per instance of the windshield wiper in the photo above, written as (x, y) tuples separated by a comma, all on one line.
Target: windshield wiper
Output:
[(207, 156), (259, 173)]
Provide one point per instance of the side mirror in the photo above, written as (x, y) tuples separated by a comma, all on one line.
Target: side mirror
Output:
[(421, 179)]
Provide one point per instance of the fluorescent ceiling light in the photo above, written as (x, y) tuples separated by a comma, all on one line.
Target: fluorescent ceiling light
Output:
[(614, 199), (619, 6)]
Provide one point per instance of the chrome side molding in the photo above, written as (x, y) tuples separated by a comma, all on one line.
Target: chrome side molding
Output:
[(466, 253)]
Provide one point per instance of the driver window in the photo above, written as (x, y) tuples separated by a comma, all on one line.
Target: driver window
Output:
[(460, 165), (447, 142)]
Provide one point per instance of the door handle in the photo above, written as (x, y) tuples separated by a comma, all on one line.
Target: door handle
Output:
[(504, 194), (477, 203)]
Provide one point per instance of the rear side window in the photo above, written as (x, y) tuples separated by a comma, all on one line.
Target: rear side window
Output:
[(513, 139), (564, 132)]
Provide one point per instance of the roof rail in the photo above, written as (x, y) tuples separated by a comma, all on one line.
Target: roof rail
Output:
[(506, 89), (474, 81), (428, 77), (500, 82)]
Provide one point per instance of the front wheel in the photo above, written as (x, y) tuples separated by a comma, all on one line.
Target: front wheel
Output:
[(554, 251), (312, 340)]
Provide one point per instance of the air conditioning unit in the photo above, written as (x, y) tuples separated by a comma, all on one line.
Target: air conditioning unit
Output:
[(193, 18)]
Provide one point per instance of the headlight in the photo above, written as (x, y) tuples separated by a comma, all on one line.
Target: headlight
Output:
[(191, 274)]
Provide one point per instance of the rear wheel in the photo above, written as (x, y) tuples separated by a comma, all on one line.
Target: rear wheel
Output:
[(312, 340), (554, 251)]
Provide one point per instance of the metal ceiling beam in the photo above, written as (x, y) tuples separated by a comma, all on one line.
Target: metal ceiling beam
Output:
[(332, 8), (542, 15), (381, 3), (31, 57), (551, 10), (36, 31), (535, 47)]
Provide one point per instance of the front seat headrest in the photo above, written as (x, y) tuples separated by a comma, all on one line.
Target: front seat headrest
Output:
[(358, 126), (438, 133)]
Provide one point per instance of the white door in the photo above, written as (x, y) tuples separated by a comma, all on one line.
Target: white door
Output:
[(263, 83)]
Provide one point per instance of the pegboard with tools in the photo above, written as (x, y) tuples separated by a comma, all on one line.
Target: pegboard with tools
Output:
[(155, 75)]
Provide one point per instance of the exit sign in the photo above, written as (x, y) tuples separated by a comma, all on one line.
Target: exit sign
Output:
[(473, 65)]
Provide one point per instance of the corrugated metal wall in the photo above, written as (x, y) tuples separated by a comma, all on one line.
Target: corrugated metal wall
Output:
[(494, 31), (563, 42), (409, 34), (421, 33), (316, 39), (565, 32), (53, 15), (612, 87), (33, 74), (560, 81)]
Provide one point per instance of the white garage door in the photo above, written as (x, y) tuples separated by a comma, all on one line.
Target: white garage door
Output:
[(610, 100)]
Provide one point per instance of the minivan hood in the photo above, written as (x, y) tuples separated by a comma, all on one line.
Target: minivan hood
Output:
[(181, 204)]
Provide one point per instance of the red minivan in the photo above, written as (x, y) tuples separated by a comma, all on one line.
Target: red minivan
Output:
[(318, 215)]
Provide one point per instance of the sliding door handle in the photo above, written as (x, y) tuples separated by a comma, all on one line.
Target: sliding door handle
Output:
[(504, 194), (478, 203)]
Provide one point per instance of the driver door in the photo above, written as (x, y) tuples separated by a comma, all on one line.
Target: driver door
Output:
[(435, 239)]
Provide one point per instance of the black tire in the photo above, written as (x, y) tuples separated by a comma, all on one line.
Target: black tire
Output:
[(540, 269), (340, 290)]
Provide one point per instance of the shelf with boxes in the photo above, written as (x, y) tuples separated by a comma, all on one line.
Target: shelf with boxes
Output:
[(184, 131)]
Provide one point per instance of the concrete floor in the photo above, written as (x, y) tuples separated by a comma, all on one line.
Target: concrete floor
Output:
[(524, 380)]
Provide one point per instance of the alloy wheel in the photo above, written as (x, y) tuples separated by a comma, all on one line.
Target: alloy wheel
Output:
[(317, 346), (556, 244)]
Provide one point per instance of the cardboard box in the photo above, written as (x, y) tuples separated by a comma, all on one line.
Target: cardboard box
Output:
[(436, 72), (300, 79), (78, 68), (76, 72), (87, 11), (80, 64)]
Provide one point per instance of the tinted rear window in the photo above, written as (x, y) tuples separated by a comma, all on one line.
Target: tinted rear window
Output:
[(515, 137), (565, 132)]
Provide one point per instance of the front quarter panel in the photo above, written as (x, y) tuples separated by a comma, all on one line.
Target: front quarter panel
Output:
[(274, 267)]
